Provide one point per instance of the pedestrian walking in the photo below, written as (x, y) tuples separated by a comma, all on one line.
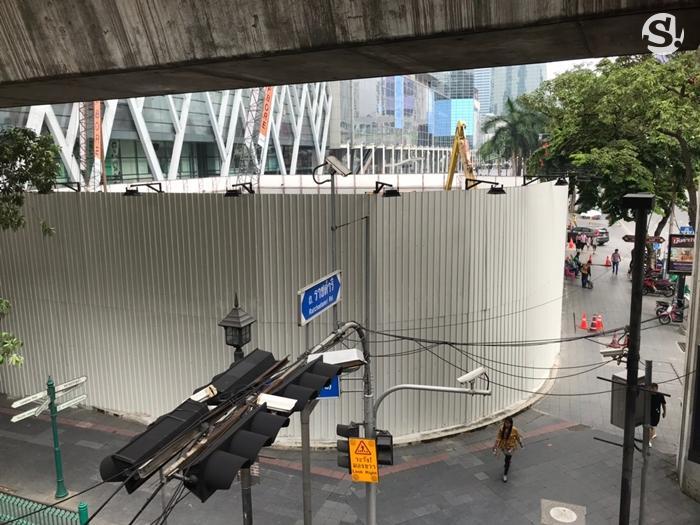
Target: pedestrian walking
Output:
[(589, 241), (585, 274), (579, 242), (594, 243), (615, 258), (584, 241), (508, 436), (658, 409), (576, 263)]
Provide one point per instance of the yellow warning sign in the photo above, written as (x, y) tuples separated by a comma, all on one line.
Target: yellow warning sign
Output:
[(363, 460)]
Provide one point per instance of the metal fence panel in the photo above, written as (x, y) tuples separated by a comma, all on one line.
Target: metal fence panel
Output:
[(130, 290)]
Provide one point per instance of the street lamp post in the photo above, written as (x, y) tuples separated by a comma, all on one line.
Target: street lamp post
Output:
[(236, 326)]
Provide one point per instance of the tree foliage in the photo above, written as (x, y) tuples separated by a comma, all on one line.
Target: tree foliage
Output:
[(515, 135), (633, 124), (9, 344), (26, 159)]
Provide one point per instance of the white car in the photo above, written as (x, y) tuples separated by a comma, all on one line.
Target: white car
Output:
[(592, 214)]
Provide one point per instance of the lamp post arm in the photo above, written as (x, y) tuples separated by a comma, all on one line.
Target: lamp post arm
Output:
[(429, 388)]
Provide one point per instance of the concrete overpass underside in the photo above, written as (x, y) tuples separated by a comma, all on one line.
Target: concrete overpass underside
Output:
[(68, 50)]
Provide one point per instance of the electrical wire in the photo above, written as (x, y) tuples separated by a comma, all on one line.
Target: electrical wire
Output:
[(519, 344), (178, 495), (491, 381), (469, 356), (148, 500), (462, 323)]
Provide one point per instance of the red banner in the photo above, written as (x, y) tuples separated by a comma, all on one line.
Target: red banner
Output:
[(265, 120), (97, 130)]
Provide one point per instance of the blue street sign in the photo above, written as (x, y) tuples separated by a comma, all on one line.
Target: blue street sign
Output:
[(332, 390), (318, 297), (687, 230)]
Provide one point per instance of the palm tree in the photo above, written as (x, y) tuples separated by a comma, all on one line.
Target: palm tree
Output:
[(515, 135)]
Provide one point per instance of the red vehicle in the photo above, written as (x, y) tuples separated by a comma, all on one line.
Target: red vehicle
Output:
[(658, 287)]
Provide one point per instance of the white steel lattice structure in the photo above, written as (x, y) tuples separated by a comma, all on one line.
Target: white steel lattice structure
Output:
[(303, 109)]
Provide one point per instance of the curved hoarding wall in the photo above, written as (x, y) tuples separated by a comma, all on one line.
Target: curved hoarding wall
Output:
[(129, 292)]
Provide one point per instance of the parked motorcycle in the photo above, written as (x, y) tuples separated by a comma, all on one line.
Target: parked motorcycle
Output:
[(667, 312), (658, 287)]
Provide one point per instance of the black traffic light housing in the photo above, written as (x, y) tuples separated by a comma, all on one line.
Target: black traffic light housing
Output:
[(385, 447), (346, 431), (187, 416), (118, 466), (306, 383), (237, 448)]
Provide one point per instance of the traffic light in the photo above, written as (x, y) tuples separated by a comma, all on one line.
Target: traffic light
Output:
[(239, 375), (188, 416), (236, 448), (346, 431), (117, 467), (385, 447), (307, 382)]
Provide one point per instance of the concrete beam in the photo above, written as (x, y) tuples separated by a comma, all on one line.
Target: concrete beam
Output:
[(58, 51)]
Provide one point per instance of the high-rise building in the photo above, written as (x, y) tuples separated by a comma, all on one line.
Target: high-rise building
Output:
[(512, 81)]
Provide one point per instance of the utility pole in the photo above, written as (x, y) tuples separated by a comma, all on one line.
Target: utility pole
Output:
[(244, 473), (642, 204), (645, 437), (333, 241)]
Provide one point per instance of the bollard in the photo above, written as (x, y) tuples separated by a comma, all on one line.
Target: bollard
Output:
[(83, 513)]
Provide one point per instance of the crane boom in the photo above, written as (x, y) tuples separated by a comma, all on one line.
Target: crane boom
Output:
[(460, 150)]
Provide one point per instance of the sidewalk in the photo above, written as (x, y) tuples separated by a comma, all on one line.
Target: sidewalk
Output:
[(611, 298), (451, 481)]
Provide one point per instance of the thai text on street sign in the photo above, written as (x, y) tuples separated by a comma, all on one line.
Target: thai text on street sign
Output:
[(650, 238), (317, 297), (681, 250), (363, 460)]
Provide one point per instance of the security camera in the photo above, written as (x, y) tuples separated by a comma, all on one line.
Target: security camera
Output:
[(471, 376), (335, 166), (613, 352)]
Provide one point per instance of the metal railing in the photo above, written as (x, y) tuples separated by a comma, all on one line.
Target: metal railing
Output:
[(13, 507)]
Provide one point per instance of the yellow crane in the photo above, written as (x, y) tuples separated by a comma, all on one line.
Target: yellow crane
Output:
[(460, 150)]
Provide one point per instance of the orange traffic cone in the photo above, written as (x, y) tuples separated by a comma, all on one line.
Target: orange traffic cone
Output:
[(571, 244), (594, 324), (601, 328), (584, 322), (607, 261)]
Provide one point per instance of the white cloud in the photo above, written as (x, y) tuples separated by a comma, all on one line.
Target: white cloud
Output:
[(556, 68)]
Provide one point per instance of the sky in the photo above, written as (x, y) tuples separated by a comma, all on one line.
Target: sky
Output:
[(555, 68)]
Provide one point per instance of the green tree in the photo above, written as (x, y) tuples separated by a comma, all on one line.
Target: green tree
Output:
[(26, 159), (515, 135), (633, 123)]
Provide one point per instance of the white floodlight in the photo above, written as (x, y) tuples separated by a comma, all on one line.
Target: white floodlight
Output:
[(335, 166), (469, 377), (348, 359), (277, 403)]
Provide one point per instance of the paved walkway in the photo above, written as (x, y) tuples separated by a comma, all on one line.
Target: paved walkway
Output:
[(451, 481)]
